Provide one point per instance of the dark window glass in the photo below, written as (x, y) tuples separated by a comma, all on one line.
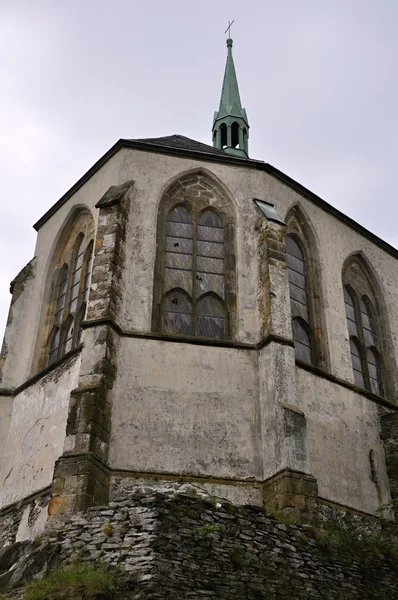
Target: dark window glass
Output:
[(72, 292), (302, 344), (210, 219), (68, 334), (61, 294), (373, 361), (357, 363), (210, 317), (76, 275), (298, 299), (54, 346), (178, 272), (177, 313), (362, 333), (210, 254), (350, 312), (89, 265), (367, 322), (192, 272)]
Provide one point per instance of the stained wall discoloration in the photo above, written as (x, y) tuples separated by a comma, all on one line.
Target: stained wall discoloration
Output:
[(36, 433), (342, 428), (21, 288), (6, 404), (185, 409)]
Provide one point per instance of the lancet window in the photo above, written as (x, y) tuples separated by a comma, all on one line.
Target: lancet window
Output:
[(305, 287), (69, 289), (195, 277), (364, 346), (298, 299)]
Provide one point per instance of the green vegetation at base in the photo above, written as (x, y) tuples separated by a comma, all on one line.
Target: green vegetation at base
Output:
[(82, 582), (349, 538)]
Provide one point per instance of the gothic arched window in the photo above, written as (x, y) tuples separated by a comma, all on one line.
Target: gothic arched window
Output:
[(305, 287), (365, 355), (195, 280), (296, 270), (69, 290)]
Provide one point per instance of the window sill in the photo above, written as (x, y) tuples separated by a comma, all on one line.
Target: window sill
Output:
[(43, 372)]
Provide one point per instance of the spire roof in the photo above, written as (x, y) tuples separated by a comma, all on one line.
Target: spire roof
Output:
[(230, 90), (230, 103), (230, 125)]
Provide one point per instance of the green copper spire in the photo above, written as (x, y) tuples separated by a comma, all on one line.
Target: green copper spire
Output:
[(230, 125)]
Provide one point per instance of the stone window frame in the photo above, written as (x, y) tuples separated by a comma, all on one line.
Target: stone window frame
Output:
[(80, 225), (300, 228), (360, 282), (197, 191)]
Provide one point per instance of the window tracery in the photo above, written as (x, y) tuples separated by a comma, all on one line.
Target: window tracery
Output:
[(194, 276), (365, 356)]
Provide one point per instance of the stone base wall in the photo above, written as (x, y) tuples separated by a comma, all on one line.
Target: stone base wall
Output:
[(178, 542), (24, 520)]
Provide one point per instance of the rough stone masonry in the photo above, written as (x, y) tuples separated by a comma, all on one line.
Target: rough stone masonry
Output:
[(178, 542)]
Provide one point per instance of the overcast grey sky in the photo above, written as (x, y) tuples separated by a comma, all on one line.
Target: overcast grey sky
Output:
[(318, 79)]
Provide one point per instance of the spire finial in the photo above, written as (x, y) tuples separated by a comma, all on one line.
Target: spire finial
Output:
[(230, 23), (230, 125)]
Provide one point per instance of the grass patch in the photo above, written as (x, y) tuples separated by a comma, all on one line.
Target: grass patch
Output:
[(81, 582)]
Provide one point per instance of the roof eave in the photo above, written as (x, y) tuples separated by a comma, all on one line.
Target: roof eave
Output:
[(228, 159), (122, 143)]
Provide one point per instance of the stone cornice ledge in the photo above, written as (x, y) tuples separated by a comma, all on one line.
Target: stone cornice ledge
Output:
[(41, 373), (198, 341), (347, 384)]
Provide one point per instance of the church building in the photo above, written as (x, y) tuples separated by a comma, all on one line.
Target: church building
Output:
[(193, 314)]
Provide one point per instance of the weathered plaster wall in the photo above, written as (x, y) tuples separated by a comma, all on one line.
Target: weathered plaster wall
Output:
[(183, 408), (6, 403), (36, 433), (14, 354), (342, 428)]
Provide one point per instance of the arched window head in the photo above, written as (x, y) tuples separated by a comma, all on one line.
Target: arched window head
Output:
[(195, 279), (66, 308), (362, 329), (210, 317), (296, 270), (177, 313)]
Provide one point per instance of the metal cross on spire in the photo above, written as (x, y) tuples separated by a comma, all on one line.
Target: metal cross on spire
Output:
[(229, 28)]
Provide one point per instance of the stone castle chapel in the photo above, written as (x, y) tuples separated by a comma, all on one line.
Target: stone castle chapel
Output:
[(194, 314)]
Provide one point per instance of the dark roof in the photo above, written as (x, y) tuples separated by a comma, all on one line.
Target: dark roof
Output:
[(179, 145), (180, 142)]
